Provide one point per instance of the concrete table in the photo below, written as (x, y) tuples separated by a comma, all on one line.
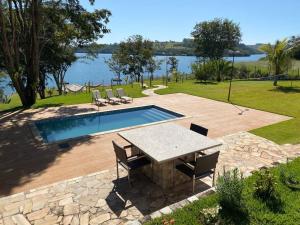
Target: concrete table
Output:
[(163, 144)]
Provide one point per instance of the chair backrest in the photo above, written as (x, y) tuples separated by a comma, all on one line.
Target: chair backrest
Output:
[(121, 92), (120, 153), (206, 163), (109, 93), (96, 94), (198, 129)]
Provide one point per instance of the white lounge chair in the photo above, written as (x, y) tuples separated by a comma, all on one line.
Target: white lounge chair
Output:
[(96, 97), (123, 96), (110, 96)]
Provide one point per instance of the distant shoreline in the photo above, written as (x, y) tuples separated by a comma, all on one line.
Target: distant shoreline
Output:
[(107, 53)]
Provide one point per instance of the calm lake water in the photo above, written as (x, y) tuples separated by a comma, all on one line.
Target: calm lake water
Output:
[(97, 72)]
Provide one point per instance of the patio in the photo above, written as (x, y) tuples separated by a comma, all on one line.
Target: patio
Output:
[(98, 198), (27, 163)]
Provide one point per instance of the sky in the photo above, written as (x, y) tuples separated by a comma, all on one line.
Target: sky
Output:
[(261, 21)]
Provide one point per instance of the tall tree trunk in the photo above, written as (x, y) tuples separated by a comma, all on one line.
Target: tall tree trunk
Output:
[(42, 86), (34, 69), (25, 81)]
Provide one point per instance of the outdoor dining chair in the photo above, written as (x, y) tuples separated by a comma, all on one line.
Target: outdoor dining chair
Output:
[(203, 166), (199, 129), (128, 163)]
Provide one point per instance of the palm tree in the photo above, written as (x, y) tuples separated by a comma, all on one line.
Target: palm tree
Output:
[(278, 56)]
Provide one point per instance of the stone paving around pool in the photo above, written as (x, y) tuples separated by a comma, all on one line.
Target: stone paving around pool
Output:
[(99, 199), (27, 163)]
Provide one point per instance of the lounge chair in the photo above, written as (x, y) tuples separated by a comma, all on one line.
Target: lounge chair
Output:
[(96, 98), (123, 96), (202, 167), (128, 163), (110, 96)]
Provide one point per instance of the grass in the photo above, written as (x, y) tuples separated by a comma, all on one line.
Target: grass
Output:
[(69, 99), (263, 66), (259, 213), (262, 95)]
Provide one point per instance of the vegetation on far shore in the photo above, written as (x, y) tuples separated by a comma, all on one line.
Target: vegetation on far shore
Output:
[(168, 48)]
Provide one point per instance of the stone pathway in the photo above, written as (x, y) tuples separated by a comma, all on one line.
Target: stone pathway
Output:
[(99, 199), (249, 152), (150, 92)]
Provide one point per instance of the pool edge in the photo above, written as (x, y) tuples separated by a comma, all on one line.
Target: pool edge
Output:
[(37, 135)]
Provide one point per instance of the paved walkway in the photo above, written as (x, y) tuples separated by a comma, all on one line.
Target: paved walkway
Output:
[(26, 163), (99, 199), (150, 92)]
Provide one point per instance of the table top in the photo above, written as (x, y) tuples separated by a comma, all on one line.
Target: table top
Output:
[(167, 141)]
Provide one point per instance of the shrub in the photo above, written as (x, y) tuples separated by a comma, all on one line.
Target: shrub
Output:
[(209, 215), (265, 189), (289, 177), (264, 186), (50, 92), (201, 71), (229, 189), (168, 222)]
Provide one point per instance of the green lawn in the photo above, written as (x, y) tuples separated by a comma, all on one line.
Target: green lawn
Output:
[(283, 99), (259, 213), (263, 65), (70, 99)]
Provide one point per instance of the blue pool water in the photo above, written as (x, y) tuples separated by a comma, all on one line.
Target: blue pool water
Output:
[(75, 126)]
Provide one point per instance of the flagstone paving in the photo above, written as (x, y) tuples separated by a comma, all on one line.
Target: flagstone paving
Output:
[(99, 199)]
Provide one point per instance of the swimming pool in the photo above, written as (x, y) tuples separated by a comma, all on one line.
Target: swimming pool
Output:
[(58, 129)]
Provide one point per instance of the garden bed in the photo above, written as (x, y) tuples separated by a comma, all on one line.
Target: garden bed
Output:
[(257, 209)]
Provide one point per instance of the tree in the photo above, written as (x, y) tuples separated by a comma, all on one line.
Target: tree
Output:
[(115, 64), (134, 55), (20, 43), (294, 42), (278, 56), (202, 71), (29, 27), (58, 63), (173, 63), (152, 66), (63, 37), (213, 38)]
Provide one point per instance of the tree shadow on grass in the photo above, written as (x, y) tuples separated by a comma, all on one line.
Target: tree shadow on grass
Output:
[(233, 217), (286, 89), (206, 83), (274, 204)]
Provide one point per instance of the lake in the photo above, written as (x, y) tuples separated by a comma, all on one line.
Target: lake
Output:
[(85, 70)]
